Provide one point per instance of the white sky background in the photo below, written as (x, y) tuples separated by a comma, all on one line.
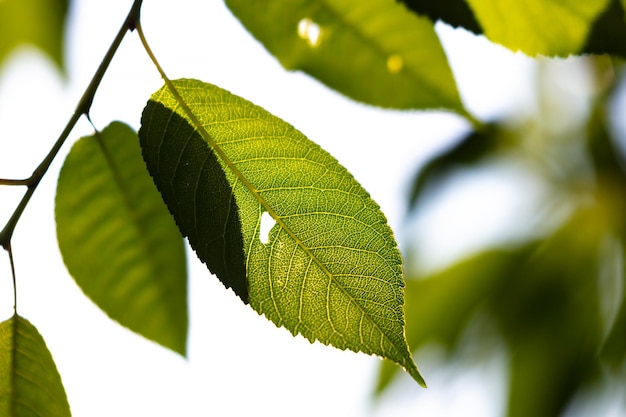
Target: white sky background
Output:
[(239, 363)]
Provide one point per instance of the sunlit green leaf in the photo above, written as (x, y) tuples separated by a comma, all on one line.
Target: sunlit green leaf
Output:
[(539, 27), (118, 240), (328, 268), (30, 384), (37, 22), (375, 51)]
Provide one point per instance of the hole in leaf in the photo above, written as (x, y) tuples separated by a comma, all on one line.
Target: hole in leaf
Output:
[(310, 32), (267, 222)]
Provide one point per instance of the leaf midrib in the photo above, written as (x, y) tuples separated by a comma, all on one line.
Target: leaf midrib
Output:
[(126, 197)]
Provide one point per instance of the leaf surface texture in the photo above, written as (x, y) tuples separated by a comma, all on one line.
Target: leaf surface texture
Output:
[(118, 240), (330, 268)]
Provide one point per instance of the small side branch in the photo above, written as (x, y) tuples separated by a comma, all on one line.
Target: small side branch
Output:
[(14, 182)]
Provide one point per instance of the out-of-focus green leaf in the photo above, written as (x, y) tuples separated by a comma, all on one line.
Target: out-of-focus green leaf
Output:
[(539, 27), (610, 186), (453, 12), (329, 267), (614, 349), (471, 149), (37, 22), (375, 51), (30, 384), (118, 240), (548, 312), (440, 306)]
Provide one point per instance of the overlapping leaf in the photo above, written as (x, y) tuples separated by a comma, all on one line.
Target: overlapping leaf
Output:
[(118, 240), (329, 268), (37, 22), (375, 51), (30, 384)]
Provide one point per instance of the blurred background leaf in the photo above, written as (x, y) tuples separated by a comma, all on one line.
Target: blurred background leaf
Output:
[(374, 51), (40, 23), (537, 27), (555, 298)]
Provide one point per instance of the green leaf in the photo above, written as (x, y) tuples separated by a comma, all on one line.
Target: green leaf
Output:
[(549, 314), (118, 240), (453, 12), (37, 22), (539, 27), (375, 51), (30, 384), (608, 31), (329, 268)]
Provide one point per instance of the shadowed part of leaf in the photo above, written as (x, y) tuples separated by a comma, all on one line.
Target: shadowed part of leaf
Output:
[(30, 384), (197, 193), (37, 22), (453, 12), (608, 33)]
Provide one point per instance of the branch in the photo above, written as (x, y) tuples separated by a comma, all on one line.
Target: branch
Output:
[(84, 105)]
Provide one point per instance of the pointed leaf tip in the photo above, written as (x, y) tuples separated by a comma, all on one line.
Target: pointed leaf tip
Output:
[(328, 268)]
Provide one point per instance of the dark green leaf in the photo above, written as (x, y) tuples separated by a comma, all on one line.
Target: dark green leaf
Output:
[(608, 32), (197, 192), (614, 349), (453, 12), (30, 384), (375, 51), (329, 268), (37, 22), (118, 240)]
